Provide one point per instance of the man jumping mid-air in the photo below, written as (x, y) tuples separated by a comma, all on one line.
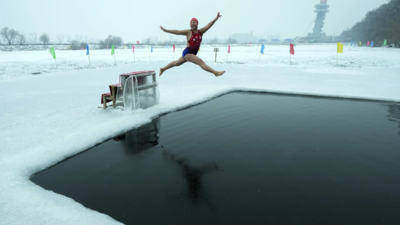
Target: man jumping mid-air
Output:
[(194, 37)]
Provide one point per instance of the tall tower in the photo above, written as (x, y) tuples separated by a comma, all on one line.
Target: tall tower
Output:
[(321, 9)]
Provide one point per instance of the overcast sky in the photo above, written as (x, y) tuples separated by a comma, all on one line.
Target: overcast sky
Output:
[(135, 20)]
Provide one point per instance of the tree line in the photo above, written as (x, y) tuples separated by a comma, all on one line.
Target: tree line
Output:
[(380, 24), (11, 36)]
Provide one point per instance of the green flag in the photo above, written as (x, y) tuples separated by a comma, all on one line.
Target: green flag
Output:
[(112, 50), (53, 53), (384, 43)]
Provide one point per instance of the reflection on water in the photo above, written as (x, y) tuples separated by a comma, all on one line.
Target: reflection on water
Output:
[(394, 113), (193, 176), (140, 139)]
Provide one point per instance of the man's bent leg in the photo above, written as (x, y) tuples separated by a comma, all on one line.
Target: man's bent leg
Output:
[(178, 62)]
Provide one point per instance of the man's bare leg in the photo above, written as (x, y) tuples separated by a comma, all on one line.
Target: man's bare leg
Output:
[(196, 60), (178, 62)]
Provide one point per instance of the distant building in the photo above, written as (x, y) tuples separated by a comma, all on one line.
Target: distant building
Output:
[(244, 37), (321, 9)]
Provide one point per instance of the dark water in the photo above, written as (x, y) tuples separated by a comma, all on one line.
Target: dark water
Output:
[(246, 158)]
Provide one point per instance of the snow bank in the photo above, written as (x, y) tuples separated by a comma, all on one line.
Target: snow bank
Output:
[(46, 118)]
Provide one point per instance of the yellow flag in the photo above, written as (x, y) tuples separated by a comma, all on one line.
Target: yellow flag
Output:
[(360, 43), (339, 47)]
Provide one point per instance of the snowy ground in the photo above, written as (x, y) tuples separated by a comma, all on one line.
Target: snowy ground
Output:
[(24, 63), (46, 118)]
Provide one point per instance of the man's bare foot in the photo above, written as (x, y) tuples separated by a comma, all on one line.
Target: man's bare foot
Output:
[(219, 73), (161, 71)]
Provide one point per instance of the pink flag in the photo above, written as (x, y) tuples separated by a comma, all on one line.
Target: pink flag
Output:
[(107, 47), (81, 48), (138, 42), (292, 49), (173, 47), (368, 43), (229, 48), (133, 48), (250, 42)]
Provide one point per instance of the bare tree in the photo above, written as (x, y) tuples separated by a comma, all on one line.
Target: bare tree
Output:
[(21, 39), (33, 38), (44, 38), (78, 38), (69, 39), (9, 35), (60, 38)]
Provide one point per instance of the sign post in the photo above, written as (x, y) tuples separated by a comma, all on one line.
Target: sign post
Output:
[(216, 50)]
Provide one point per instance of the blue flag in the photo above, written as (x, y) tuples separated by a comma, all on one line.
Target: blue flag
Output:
[(151, 48), (351, 44), (87, 49), (372, 44), (262, 49)]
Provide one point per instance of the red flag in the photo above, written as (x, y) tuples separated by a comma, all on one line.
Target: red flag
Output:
[(133, 48), (229, 48), (292, 49), (174, 47), (138, 42)]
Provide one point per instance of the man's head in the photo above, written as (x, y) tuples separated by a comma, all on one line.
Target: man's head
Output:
[(193, 23)]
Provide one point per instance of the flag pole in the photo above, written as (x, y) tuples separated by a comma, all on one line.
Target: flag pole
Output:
[(115, 62), (55, 61), (259, 58), (337, 58), (89, 59), (290, 55)]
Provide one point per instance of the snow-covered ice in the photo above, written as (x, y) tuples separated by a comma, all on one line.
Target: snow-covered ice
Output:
[(46, 118)]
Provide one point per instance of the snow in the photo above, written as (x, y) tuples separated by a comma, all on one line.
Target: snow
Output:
[(49, 117)]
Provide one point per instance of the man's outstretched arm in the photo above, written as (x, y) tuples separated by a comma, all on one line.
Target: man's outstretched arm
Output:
[(177, 32), (209, 25)]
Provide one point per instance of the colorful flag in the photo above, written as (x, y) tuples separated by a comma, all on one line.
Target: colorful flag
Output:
[(351, 44), (133, 47), (112, 50), (384, 43), (360, 43), (250, 42), (52, 52), (292, 49), (368, 43), (339, 48), (173, 47), (372, 44), (138, 42), (151, 48), (124, 46), (229, 48), (262, 49), (87, 49)]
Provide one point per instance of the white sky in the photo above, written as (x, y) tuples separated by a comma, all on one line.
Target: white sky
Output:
[(135, 20)]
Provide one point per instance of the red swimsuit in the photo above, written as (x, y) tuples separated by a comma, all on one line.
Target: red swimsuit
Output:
[(194, 43)]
